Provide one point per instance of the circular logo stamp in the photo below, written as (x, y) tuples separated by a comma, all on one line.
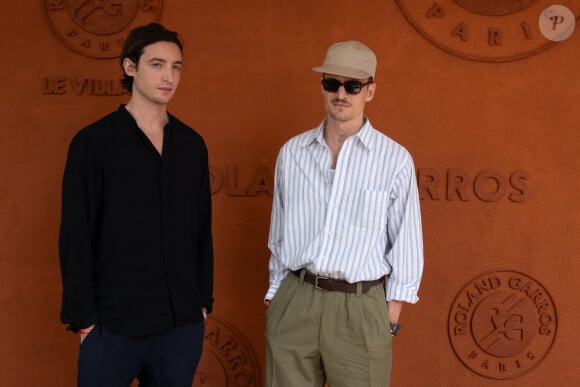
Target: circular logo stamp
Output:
[(493, 30), (502, 324), (97, 28), (227, 359)]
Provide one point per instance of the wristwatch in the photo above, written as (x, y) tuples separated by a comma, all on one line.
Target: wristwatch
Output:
[(395, 328)]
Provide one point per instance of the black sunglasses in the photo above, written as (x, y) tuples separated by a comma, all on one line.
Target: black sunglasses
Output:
[(351, 87)]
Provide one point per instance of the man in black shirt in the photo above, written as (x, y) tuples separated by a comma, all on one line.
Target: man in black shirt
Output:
[(135, 240)]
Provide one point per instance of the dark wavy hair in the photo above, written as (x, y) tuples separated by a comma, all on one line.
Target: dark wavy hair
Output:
[(137, 40)]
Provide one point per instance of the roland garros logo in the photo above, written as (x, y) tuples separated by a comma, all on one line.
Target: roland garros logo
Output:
[(502, 324), (227, 359), (492, 30), (97, 28)]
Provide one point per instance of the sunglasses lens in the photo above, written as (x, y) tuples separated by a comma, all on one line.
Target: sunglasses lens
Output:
[(331, 85), (352, 87)]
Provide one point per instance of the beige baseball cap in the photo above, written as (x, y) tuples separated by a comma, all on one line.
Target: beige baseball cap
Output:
[(349, 59)]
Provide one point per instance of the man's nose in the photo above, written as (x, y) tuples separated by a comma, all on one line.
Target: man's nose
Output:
[(341, 92), (168, 75)]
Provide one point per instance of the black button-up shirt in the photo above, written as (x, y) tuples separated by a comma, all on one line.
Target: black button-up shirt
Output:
[(135, 240)]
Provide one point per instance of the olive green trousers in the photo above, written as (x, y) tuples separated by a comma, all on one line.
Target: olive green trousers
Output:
[(315, 336)]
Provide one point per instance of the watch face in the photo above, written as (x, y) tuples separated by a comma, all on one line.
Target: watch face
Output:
[(395, 329)]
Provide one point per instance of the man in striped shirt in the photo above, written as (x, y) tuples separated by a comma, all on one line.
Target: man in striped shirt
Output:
[(345, 237)]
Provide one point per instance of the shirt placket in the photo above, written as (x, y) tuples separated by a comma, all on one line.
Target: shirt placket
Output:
[(165, 211), (333, 205)]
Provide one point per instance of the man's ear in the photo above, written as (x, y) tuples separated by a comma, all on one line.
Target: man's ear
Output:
[(371, 91), (129, 66)]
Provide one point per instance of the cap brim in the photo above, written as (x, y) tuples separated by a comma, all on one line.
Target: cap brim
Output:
[(342, 71)]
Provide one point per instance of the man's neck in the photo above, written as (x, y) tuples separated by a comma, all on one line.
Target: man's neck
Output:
[(151, 119), (149, 116), (336, 132)]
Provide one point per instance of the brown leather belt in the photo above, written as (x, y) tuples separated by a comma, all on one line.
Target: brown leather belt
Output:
[(336, 285)]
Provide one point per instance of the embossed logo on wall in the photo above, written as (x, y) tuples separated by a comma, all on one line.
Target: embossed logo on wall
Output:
[(502, 324), (490, 31), (97, 28), (227, 359)]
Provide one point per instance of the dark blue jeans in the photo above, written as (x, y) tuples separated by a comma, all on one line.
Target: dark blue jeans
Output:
[(169, 359)]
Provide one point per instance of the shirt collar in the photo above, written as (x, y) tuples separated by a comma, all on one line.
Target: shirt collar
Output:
[(363, 135), (314, 135), (122, 108)]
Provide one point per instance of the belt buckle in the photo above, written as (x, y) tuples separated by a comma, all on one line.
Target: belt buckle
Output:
[(318, 277)]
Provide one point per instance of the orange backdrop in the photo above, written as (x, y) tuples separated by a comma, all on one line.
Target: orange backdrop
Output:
[(496, 146)]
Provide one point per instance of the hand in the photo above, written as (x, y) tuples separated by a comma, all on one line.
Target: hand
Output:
[(85, 332), (204, 312), (267, 303)]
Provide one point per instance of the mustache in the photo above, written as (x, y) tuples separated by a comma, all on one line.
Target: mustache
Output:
[(343, 101)]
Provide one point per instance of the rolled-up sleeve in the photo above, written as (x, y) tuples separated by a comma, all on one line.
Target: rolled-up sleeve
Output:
[(405, 247), (277, 270)]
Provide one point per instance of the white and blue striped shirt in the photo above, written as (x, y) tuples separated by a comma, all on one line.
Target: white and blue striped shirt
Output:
[(364, 225)]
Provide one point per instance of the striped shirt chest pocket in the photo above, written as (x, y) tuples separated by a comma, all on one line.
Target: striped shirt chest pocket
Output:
[(370, 209)]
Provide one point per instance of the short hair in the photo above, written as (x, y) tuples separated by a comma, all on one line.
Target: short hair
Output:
[(137, 40)]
